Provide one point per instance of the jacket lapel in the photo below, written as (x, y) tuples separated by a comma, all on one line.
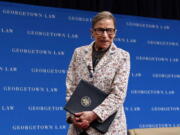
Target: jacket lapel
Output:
[(88, 55), (108, 56)]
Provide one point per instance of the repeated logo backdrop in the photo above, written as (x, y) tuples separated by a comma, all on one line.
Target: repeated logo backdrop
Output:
[(36, 45)]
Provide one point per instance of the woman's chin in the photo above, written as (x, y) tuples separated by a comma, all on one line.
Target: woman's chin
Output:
[(106, 45)]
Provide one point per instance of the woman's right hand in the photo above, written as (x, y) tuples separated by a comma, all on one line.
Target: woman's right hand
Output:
[(82, 124)]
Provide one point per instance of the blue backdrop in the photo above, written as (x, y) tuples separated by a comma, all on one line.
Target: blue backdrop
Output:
[(36, 45)]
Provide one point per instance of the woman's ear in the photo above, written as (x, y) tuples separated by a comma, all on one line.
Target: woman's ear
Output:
[(91, 30)]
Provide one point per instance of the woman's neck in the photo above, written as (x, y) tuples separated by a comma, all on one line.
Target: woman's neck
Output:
[(100, 48)]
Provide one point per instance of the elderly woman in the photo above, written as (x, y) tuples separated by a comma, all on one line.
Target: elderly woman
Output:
[(107, 67)]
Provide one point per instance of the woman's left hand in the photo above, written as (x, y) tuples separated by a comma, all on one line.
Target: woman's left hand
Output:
[(90, 116)]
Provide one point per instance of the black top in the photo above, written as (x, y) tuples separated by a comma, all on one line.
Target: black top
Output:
[(97, 55)]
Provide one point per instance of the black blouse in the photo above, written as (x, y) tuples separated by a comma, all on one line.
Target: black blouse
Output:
[(97, 55)]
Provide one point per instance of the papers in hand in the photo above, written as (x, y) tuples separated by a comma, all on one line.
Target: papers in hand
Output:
[(85, 98)]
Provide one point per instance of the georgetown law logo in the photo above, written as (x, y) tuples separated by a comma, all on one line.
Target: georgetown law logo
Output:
[(85, 101)]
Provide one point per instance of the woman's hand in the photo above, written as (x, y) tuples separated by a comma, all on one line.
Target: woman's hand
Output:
[(89, 116), (84, 119), (82, 124)]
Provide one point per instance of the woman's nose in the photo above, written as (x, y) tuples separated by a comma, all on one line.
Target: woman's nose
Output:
[(105, 33)]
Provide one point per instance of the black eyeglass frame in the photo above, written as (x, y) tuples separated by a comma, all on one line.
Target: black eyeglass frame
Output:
[(109, 31)]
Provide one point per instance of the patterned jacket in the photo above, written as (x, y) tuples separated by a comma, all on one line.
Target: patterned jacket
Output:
[(111, 76)]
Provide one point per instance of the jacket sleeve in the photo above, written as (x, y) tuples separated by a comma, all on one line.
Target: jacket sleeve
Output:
[(70, 79), (116, 98)]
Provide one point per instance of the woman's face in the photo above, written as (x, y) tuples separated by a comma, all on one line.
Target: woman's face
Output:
[(103, 33)]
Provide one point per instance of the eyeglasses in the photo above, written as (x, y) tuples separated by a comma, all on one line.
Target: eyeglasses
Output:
[(100, 31)]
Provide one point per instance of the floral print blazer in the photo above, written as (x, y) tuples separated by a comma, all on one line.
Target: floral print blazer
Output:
[(110, 75)]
